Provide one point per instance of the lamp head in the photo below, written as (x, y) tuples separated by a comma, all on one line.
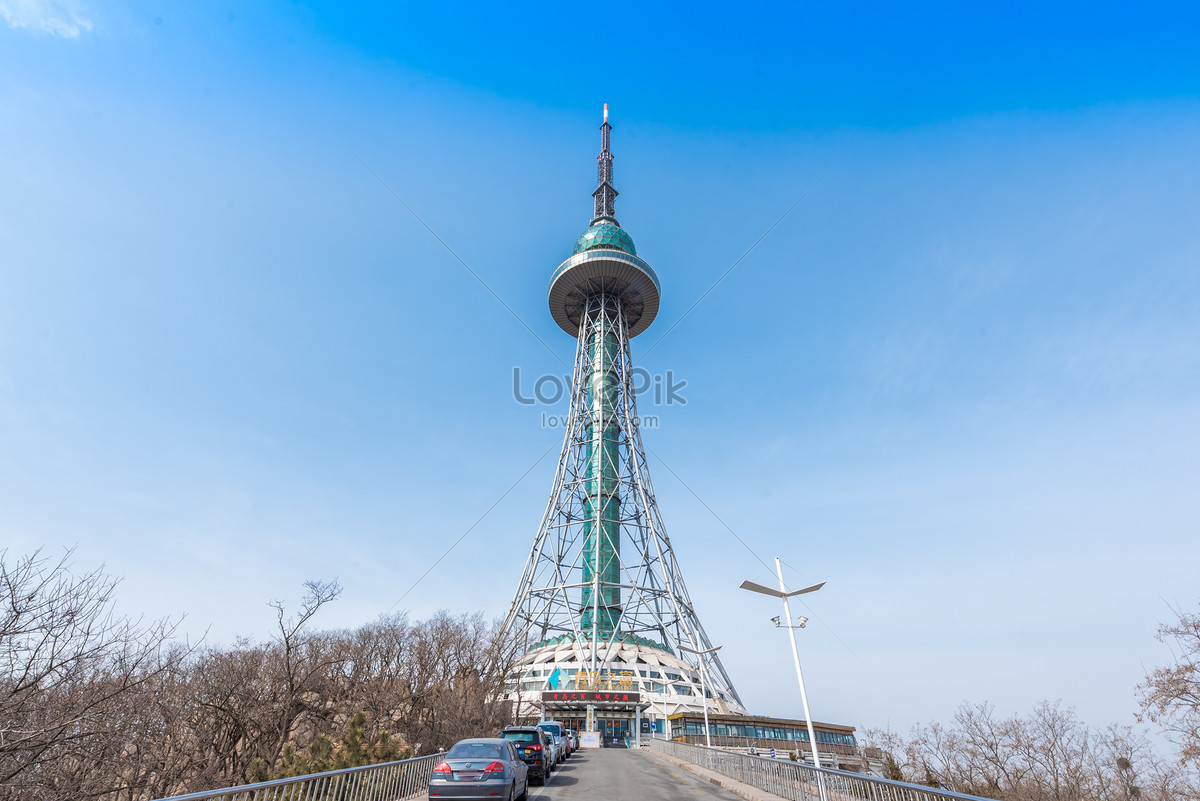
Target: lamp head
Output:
[(775, 620)]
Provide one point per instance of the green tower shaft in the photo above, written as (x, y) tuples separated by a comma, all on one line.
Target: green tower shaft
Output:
[(601, 597)]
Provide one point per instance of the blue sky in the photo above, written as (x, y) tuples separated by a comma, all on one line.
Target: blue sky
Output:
[(959, 380)]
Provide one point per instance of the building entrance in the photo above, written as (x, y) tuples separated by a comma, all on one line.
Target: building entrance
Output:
[(614, 730), (577, 725), (615, 713), (611, 728)]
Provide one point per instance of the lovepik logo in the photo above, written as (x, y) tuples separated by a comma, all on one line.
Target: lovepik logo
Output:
[(549, 389)]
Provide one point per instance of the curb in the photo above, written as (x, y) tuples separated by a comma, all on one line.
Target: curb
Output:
[(746, 791)]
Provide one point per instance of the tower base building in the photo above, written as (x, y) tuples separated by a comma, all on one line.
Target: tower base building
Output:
[(640, 688)]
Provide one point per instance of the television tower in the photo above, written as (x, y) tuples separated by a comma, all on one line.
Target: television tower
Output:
[(601, 602)]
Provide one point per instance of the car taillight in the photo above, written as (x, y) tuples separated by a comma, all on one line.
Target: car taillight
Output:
[(536, 746), (442, 767), (495, 767)]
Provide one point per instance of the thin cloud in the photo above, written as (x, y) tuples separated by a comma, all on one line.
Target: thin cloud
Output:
[(45, 16)]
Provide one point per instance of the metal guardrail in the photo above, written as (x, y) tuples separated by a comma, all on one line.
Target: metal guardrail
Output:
[(387, 781), (799, 782)]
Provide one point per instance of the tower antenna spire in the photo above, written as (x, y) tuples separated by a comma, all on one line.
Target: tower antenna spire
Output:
[(605, 195)]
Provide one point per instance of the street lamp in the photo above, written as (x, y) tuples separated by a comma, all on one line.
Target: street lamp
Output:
[(703, 684), (783, 593)]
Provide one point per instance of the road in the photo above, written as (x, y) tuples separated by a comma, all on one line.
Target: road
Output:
[(615, 774)]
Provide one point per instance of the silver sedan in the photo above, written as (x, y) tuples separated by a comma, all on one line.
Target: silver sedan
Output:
[(480, 768)]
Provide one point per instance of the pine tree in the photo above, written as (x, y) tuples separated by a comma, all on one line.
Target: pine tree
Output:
[(353, 749), (891, 768)]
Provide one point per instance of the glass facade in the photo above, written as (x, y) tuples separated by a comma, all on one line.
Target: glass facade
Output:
[(621, 677), (751, 731)]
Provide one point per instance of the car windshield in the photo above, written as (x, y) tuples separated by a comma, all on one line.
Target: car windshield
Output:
[(553, 728), (521, 736), (475, 751)]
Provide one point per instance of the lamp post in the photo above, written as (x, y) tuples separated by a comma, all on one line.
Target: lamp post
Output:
[(703, 684), (783, 593)]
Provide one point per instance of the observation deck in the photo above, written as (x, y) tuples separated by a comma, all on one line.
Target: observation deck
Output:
[(604, 269)]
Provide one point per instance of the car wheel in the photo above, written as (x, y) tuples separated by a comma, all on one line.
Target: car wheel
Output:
[(524, 791)]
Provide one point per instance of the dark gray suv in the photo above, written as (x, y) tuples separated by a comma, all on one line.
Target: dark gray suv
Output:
[(530, 742)]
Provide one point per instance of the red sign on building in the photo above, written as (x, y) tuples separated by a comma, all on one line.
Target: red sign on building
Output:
[(602, 697)]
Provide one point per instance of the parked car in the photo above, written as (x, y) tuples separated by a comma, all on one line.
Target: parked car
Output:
[(560, 739), (548, 744), (480, 768), (532, 747)]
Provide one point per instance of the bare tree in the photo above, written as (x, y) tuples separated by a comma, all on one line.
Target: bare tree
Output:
[(303, 657), (70, 668), (93, 705), (234, 703), (453, 681), (1170, 695), (1049, 755)]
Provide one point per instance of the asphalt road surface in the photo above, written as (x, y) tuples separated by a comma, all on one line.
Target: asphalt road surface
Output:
[(615, 774)]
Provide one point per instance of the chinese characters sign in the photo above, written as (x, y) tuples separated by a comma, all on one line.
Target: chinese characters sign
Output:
[(605, 680), (592, 697)]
